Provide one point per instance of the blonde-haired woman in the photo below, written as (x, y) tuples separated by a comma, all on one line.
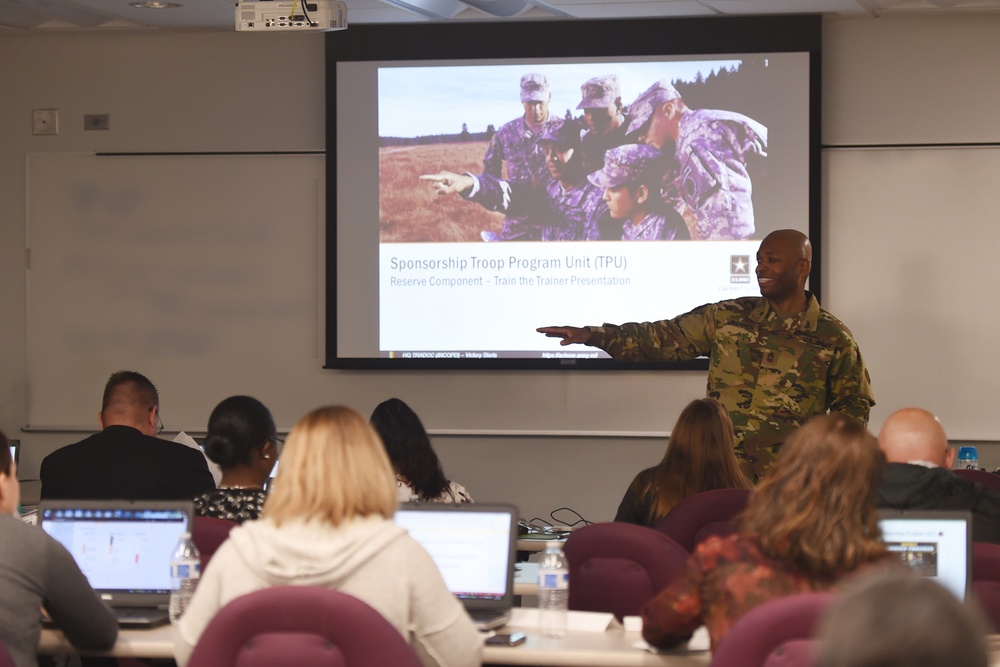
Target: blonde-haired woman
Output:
[(810, 523), (328, 522)]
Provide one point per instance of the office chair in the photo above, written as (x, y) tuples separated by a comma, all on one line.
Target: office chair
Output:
[(209, 533), (619, 567), (986, 581), (304, 626), (984, 477), (5, 659), (778, 632), (714, 511)]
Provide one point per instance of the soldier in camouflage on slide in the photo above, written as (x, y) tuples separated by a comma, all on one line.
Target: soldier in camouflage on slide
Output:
[(774, 362), (515, 146), (711, 188)]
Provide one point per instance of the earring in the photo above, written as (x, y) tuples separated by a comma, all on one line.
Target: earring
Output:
[(267, 457)]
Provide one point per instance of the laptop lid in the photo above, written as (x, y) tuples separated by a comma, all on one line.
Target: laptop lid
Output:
[(15, 451), (935, 543), (123, 547), (474, 547)]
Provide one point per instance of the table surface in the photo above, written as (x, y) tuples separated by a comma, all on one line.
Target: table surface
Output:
[(614, 648)]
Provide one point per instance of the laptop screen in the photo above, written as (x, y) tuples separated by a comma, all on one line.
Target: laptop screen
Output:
[(473, 545), (15, 448), (936, 544), (122, 547)]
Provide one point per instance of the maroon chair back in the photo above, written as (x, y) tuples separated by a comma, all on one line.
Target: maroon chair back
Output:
[(684, 521), (619, 567), (986, 581), (5, 659), (208, 534), (774, 627), (303, 626), (984, 477)]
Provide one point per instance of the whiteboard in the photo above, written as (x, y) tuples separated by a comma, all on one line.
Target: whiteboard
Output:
[(201, 272), (913, 241), (205, 273)]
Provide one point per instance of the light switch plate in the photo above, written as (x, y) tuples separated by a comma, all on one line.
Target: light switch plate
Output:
[(45, 121)]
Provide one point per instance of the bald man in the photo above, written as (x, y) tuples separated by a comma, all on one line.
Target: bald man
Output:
[(919, 474), (774, 361)]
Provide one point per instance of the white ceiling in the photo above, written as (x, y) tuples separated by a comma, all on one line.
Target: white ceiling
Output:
[(17, 16)]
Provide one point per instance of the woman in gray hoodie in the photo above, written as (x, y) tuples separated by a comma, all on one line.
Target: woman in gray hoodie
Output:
[(328, 522)]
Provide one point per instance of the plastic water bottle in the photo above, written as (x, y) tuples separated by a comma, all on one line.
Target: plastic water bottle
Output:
[(968, 458), (185, 570), (553, 591)]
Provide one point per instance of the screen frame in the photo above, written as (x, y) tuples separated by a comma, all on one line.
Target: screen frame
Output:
[(559, 39)]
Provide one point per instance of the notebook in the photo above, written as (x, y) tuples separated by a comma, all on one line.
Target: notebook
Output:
[(937, 544), (474, 547), (123, 548)]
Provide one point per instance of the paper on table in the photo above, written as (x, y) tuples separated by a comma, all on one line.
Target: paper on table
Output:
[(576, 621)]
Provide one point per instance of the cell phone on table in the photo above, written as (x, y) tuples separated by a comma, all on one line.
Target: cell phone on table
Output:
[(506, 639)]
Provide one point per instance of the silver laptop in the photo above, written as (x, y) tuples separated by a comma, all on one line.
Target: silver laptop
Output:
[(123, 548), (474, 547), (935, 543)]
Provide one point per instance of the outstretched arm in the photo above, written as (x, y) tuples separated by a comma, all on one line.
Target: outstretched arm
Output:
[(569, 335), (447, 182)]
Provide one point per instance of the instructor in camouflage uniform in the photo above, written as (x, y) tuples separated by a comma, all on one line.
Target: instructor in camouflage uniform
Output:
[(774, 362)]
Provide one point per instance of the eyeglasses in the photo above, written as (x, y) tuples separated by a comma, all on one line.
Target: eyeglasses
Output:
[(278, 444)]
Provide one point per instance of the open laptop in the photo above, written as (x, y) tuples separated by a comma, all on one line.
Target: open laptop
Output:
[(123, 548), (474, 547), (935, 543), (15, 450)]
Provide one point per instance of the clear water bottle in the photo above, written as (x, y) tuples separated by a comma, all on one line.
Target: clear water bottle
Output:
[(968, 458), (185, 570), (553, 591)]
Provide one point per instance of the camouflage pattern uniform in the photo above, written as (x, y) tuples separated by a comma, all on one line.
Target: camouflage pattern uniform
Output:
[(713, 182), (654, 228), (593, 146), (711, 186), (772, 374), (516, 144), (559, 214)]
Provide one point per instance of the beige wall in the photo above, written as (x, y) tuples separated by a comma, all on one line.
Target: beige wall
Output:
[(885, 80)]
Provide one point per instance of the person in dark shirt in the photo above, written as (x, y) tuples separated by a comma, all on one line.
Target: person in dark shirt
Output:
[(126, 460), (919, 474)]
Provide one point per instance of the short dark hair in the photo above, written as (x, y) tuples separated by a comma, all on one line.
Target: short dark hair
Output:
[(141, 384), (409, 448), (5, 459), (236, 427)]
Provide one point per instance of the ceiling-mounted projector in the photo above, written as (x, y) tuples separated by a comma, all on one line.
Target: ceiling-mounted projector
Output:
[(285, 15)]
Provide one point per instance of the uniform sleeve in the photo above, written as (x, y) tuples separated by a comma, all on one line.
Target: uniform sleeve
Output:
[(73, 604), (493, 160), (515, 198), (442, 634), (674, 614), (685, 337), (849, 384)]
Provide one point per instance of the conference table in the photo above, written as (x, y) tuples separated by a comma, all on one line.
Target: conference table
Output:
[(615, 647), (612, 648)]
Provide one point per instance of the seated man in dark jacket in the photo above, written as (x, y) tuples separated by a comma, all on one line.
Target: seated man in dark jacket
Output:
[(919, 473), (126, 460)]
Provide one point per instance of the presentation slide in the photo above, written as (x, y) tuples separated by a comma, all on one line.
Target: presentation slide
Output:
[(470, 274)]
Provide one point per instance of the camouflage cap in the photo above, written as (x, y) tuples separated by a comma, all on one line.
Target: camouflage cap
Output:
[(566, 134), (535, 88), (642, 109), (600, 92), (623, 164)]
